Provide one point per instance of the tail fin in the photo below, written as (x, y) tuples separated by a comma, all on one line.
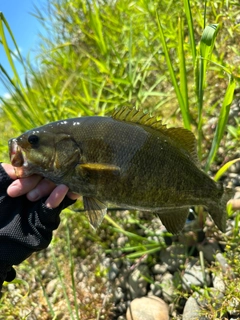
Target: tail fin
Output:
[(218, 211)]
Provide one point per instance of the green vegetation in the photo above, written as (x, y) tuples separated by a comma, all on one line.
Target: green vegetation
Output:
[(173, 58)]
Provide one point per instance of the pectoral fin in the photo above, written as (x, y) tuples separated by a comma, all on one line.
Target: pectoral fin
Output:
[(96, 211), (174, 219)]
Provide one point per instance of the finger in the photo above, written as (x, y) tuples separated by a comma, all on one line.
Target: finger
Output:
[(9, 170), (57, 196), (42, 189), (22, 186), (73, 196)]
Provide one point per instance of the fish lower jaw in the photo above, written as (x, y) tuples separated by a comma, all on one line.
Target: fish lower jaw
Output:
[(23, 171)]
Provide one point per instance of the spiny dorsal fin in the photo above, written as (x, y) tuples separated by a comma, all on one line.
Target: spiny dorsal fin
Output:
[(138, 116), (183, 138)]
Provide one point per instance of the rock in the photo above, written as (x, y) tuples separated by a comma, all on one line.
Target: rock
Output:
[(122, 307), (156, 289), (168, 287), (213, 298), (173, 257), (218, 283), (121, 241), (79, 276), (51, 286), (192, 310), (118, 294), (136, 281), (159, 269), (193, 275), (113, 271), (234, 307), (235, 204), (209, 250), (147, 308), (223, 262)]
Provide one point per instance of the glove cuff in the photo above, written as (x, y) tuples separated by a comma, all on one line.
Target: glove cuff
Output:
[(4, 178)]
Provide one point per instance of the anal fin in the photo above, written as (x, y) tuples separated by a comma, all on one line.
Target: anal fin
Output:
[(95, 209), (174, 219)]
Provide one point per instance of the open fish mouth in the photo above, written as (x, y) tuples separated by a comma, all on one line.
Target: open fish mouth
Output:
[(16, 154), (17, 158)]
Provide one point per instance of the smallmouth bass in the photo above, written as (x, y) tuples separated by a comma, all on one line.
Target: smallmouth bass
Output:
[(130, 159)]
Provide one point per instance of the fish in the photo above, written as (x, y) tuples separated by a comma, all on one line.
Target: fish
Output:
[(130, 159)]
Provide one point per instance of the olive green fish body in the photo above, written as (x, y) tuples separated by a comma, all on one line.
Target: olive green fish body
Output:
[(129, 160)]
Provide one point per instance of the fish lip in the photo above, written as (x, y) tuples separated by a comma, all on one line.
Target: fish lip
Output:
[(16, 154), (18, 159)]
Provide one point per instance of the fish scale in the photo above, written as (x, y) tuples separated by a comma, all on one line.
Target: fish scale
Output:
[(130, 159)]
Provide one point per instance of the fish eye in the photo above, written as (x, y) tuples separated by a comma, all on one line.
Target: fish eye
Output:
[(33, 139)]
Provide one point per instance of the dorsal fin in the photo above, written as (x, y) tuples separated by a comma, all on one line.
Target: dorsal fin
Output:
[(139, 117), (186, 140), (182, 138)]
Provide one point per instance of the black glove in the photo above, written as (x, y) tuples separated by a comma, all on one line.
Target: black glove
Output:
[(25, 227)]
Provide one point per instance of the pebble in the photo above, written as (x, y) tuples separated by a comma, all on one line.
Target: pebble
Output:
[(121, 241), (137, 281), (218, 283), (173, 257), (192, 310), (159, 269), (209, 250), (193, 275), (156, 289), (215, 298), (234, 307), (235, 204), (79, 276), (168, 287), (113, 271), (118, 294), (51, 286), (223, 262), (147, 308)]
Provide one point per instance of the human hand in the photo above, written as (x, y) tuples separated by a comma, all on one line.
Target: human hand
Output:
[(35, 187)]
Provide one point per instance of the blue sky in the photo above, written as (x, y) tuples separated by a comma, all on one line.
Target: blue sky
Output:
[(24, 26)]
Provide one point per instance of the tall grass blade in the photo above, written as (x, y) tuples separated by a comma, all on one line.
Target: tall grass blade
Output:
[(72, 272), (182, 64), (96, 23), (222, 121), (188, 14), (144, 252), (118, 228), (3, 22), (50, 306), (183, 107), (63, 285), (224, 168), (206, 47)]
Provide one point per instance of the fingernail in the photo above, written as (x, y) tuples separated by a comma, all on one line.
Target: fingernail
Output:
[(13, 190), (33, 195)]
